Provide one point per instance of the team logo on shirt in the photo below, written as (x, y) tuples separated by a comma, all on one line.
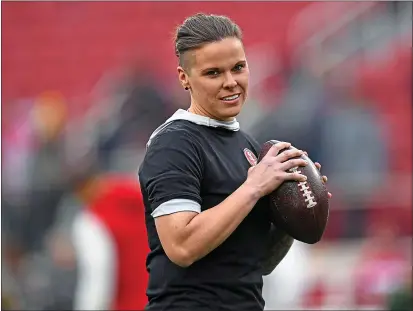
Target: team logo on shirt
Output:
[(252, 159)]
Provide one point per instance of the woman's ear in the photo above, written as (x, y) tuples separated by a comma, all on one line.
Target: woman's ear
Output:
[(183, 78)]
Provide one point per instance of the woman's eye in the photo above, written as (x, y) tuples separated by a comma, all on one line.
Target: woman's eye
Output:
[(212, 73), (239, 67)]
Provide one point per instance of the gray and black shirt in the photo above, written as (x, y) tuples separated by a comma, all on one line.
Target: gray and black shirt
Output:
[(193, 163)]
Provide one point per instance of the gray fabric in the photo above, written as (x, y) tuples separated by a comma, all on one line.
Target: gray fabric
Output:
[(175, 206)]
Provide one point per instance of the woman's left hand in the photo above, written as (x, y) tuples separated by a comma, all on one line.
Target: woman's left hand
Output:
[(318, 165)]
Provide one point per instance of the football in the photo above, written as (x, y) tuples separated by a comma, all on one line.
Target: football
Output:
[(300, 208)]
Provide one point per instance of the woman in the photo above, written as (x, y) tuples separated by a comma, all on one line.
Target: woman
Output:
[(205, 198)]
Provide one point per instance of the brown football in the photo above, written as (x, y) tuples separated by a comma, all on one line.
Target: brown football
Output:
[(300, 208)]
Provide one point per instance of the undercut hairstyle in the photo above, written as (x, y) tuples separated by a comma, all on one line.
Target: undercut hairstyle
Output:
[(200, 29)]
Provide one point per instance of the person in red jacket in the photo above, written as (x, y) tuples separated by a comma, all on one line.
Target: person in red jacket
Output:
[(109, 237)]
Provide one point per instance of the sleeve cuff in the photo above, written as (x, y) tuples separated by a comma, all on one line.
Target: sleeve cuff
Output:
[(175, 206)]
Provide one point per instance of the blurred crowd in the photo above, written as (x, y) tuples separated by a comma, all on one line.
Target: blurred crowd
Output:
[(343, 94)]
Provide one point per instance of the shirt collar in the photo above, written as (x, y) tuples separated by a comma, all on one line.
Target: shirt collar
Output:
[(182, 114)]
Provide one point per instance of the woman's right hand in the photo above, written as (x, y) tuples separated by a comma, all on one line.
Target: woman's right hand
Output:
[(272, 170)]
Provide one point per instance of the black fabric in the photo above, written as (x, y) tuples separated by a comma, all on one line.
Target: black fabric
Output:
[(206, 165)]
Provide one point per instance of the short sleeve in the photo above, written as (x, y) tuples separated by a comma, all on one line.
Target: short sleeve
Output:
[(171, 171)]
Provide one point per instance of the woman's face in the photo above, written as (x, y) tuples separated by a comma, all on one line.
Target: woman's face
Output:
[(217, 76)]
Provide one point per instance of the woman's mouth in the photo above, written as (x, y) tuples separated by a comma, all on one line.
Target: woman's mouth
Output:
[(231, 99)]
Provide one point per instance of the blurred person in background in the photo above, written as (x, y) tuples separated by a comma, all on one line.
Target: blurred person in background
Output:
[(110, 241), (35, 160), (207, 213), (136, 106), (355, 152), (298, 117), (47, 178), (18, 142), (382, 265)]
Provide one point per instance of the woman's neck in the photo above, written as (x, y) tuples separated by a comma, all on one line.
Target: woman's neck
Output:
[(196, 109)]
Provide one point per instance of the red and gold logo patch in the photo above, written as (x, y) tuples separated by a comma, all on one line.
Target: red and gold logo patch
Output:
[(252, 159)]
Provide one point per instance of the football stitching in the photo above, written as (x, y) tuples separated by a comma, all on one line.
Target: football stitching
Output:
[(307, 193)]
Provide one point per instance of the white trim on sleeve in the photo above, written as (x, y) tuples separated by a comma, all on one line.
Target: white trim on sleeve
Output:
[(175, 206)]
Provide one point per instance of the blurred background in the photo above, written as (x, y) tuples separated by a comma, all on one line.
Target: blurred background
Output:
[(333, 78)]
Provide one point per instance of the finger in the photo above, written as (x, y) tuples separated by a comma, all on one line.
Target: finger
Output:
[(317, 165), (275, 149), (305, 152), (330, 195), (325, 179), (294, 176), (286, 155), (293, 163)]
